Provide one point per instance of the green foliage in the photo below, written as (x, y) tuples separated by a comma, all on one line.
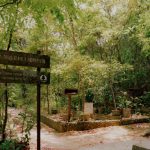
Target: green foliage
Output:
[(56, 12), (89, 96), (145, 99), (123, 102), (27, 122), (7, 145), (99, 45), (13, 145)]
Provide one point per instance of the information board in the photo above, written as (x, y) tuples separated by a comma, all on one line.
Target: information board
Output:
[(23, 76), (88, 108), (24, 59), (71, 91)]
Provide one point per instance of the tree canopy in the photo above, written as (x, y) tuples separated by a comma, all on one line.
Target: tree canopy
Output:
[(100, 45)]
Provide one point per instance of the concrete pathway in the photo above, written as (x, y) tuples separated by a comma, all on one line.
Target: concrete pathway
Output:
[(109, 138), (125, 145)]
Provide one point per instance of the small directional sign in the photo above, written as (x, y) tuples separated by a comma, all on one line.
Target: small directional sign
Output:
[(71, 91), (45, 78)]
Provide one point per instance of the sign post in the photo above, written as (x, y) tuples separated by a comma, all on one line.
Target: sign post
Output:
[(19, 76), (70, 92), (38, 108), (69, 107)]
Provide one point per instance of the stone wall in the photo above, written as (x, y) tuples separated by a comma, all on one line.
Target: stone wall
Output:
[(62, 126)]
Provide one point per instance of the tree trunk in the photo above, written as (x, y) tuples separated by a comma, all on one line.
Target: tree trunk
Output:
[(6, 114), (6, 96), (83, 100), (73, 33), (6, 85), (48, 105), (113, 94)]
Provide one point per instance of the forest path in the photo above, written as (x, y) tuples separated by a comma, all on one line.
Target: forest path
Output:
[(108, 138)]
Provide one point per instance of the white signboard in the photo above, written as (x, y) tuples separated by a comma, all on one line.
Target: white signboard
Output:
[(88, 108)]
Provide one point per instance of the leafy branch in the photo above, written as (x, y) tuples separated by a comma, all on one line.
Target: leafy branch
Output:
[(10, 3)]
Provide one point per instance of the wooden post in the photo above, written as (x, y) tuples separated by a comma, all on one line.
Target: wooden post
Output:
[(38, 109), (69, 107), (70, 92), (48, 109)]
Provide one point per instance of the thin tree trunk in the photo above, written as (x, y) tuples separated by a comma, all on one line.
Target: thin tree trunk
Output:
[(118, 53), (73, 33), (6, 114), (48, 105), (78, 90), (6, 95), (46, 49), (83, 100), (81, 87), (113, 94), (6, 85)]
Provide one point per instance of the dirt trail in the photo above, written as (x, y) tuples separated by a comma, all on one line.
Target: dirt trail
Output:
[(109, 138)]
